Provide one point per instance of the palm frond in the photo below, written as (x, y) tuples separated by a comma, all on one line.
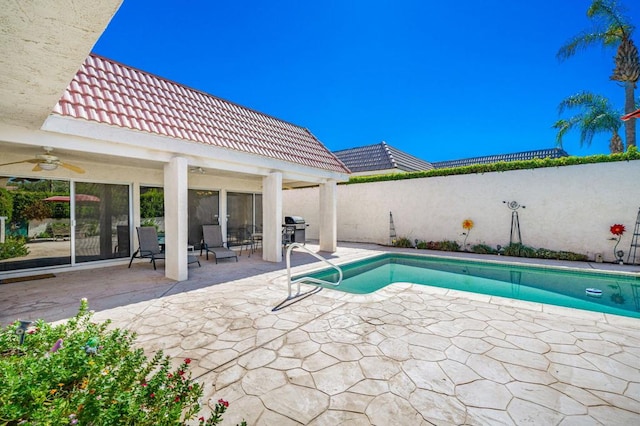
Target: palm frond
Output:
[(612, 14), (596, 115), (610, 27), (563, 128), (582, 42)]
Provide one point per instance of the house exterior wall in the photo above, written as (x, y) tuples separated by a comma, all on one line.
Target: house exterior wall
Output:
[(566, 208)]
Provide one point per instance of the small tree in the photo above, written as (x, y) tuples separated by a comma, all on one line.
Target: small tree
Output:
[(596, 116)]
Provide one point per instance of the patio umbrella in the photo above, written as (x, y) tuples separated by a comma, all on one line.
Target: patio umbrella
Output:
[(634, 114), (67, 198)]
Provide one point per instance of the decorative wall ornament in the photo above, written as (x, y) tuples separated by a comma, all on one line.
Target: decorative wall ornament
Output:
[(515, 237)]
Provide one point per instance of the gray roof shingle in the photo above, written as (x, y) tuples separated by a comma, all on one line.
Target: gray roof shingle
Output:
[(516, 156), (105, 91), (380, 156)]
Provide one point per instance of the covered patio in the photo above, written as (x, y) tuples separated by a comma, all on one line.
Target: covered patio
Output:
[(125, 130), (406, 354)]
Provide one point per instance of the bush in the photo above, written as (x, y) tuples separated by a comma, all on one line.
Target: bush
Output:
[(483, 249), (152, 203), (13, 247), (520, 250), (444, 245), (402, 242), (422, 245), (6, 204), (81, 373)]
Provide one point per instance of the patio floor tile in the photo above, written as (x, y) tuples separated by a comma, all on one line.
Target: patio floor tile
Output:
[(406, 354)]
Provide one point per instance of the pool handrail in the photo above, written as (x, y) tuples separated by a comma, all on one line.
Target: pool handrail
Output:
[(300, 280)]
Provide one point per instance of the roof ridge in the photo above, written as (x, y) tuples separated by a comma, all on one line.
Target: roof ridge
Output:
[(388, 149)]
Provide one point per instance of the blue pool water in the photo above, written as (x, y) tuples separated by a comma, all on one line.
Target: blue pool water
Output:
[(620, 293)]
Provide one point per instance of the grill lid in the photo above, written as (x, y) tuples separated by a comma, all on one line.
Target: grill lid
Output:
[(292, 220)]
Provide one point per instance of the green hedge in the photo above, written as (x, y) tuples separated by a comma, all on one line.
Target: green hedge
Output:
[(503, 166)]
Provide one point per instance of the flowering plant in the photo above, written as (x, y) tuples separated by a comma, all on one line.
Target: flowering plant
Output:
[(467, 225), (81, 373)]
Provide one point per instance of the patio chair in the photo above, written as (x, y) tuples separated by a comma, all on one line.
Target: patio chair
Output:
[(212, 243), (149, 247), (245, 238)]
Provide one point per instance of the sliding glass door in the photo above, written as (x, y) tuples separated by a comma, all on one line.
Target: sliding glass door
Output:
[(203, 210), (52, 222), (102, 221), (244, 216)]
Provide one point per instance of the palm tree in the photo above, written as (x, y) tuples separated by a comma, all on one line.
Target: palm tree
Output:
[(612, 29), (596, 116)]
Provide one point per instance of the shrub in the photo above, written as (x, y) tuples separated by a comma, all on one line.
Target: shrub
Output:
[(521, 250), (444, 245), (402, 242), (152, 203), (422, 245), (483, 249), (81, 373), (6, 204), (13, 247)]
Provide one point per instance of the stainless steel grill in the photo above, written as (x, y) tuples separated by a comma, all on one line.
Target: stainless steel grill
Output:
[(299, 227)]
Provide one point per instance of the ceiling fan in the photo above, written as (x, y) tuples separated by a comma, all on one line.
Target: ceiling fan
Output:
[(47, 161)]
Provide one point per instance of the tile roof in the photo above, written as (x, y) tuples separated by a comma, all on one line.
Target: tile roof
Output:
[(517, 156), (380, 156), (107, 92)]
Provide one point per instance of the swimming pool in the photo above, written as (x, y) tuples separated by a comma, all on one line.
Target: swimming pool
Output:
[(620, 294)]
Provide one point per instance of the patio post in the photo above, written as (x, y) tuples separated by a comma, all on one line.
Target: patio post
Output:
[(176, 218), (328, 216), (272, 217)]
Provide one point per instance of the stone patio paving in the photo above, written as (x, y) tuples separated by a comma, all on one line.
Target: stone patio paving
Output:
[(405, 355)]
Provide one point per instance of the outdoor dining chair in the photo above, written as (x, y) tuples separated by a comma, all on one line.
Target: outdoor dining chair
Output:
[(149, 247), (212, 243)]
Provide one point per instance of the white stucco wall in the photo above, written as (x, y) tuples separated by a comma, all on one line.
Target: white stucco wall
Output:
[(567, 208)]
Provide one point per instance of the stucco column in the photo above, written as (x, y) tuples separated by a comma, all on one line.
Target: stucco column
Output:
[(222, 213), (328, 216), (175, 218), (272, 217)]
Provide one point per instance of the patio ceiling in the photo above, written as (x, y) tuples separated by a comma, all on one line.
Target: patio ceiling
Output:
[(43, 44)]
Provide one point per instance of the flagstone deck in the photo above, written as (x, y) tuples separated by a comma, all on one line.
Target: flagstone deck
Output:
[(407, 354)]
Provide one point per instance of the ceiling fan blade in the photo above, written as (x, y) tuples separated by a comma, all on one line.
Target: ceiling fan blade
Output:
[(37, 168), (33, 160), (72, 167)]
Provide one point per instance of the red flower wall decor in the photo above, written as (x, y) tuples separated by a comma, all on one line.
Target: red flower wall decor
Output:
[(617, 229)]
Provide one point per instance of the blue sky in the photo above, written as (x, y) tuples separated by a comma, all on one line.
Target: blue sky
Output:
[(440, 80)]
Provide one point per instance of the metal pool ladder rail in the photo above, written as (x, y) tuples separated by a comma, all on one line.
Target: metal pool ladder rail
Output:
[(305, 279)]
